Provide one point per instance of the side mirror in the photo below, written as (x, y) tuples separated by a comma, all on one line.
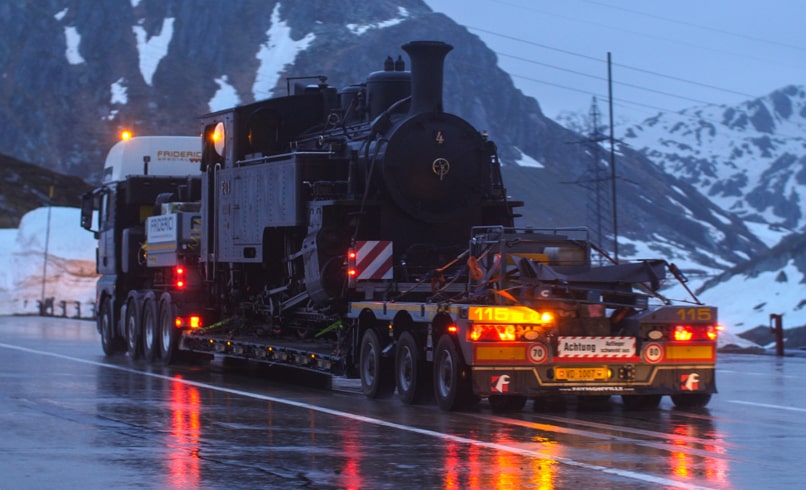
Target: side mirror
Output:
[(87, 211)]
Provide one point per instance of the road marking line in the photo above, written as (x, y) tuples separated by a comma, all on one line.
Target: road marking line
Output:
[(383, 423), (768, 405)]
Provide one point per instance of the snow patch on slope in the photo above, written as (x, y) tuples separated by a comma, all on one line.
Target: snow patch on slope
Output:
[(278, 51)]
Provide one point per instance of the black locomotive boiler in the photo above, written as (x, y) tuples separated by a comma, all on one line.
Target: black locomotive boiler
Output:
[(326, 195)]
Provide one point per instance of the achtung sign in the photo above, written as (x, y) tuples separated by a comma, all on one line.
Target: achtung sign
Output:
[(595, 347)]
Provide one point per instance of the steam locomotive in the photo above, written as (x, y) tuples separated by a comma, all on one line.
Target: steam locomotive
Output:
[(293, 185)]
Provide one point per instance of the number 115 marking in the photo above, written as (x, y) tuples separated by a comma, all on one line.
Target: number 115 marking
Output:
[(695, 314)]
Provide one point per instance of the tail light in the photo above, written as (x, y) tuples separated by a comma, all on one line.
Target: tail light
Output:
[(685, 333), (482, 332), (192, 321), (352, 271), (179, 277)]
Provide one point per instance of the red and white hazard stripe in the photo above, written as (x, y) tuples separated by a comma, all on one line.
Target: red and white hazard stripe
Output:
[(374, 259)]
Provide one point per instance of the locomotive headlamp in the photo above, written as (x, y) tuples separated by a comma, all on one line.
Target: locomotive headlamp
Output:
[(218, 137)]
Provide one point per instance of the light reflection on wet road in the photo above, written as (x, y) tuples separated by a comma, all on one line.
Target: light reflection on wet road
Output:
[(72, 418)]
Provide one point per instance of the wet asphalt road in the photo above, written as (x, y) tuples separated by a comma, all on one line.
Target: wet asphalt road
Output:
[(72, 418)]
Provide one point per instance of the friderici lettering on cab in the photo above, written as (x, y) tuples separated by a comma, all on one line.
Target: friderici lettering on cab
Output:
[(176, 155)]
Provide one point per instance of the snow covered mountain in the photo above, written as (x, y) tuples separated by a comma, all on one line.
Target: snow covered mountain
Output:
[(80, 70), (749, 160)]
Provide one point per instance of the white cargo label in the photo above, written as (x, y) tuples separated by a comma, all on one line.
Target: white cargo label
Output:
[(161, 229)]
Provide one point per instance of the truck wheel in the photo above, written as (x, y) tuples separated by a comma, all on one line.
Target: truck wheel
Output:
[(168, 334), (377, 380), (409, 369), (109, 343), (150, 350), (696, 400), (133, 330), (452, 388)]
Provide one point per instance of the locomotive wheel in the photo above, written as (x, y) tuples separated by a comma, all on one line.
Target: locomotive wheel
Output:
[(109, 343), (133, 330), (697, 400), (409, 370), (150, 329), (167, 333), (507, 403), (377, 378), (452, 388), (641, 402)]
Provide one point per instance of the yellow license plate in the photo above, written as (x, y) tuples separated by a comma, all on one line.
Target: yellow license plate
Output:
[(581, 374)]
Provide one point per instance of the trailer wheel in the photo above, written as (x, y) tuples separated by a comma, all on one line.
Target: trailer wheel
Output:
[(133, 329), (168, 334), (696, 400), (109, 342), (452, 388), (409, 370), (377, 378), (150, 350)]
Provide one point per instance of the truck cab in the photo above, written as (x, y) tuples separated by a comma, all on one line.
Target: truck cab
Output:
[(138, 174)]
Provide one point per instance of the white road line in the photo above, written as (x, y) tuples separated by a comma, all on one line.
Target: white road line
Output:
[(383, 423), (768, 405)]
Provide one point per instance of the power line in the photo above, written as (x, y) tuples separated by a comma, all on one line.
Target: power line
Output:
[(698, 26), (587, 57)]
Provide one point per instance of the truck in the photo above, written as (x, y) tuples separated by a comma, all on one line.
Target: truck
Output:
[(366, 233)]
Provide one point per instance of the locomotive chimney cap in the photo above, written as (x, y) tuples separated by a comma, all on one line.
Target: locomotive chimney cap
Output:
[(427, 68)]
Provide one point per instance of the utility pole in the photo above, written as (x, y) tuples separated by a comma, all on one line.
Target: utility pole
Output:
[(597, 195), (612, 158), (42, 304)]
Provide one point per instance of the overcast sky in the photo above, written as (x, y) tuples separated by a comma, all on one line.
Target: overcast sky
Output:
[(666, 55)]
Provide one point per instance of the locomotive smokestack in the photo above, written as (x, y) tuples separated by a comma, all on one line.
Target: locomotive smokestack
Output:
[(427, 68)]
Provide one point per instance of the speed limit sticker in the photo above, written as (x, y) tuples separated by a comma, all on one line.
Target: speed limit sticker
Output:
[(538, 353), (653, 353)]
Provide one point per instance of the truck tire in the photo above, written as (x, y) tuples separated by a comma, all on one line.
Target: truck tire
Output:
[(133, 329), (167, 333), (110, 343), (410, 370), (150, 328), (377, 378), (452, 388)]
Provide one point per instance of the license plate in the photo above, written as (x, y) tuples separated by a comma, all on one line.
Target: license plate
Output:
[(581, 374)]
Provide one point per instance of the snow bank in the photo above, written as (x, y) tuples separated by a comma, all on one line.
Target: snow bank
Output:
[(69, 271)]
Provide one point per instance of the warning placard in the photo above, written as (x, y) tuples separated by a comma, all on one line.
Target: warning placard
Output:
[(591, 347)]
